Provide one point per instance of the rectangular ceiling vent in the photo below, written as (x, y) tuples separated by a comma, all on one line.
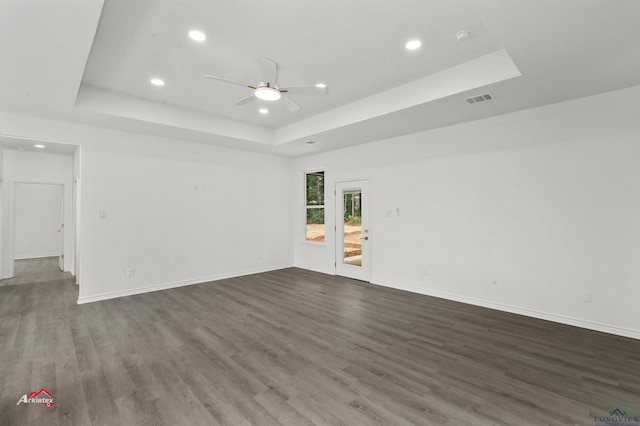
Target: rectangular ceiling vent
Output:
[(480, 98)]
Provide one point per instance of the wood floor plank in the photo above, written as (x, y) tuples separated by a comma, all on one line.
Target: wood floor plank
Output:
[(38, 270), (294, 347), (277, 406)]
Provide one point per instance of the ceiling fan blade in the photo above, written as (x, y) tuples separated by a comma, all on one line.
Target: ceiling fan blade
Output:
[(268, 71), (230, 81), (290, 105), (306, 90), (245, 100)]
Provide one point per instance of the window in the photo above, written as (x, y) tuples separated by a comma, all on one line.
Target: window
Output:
[(314, 206)]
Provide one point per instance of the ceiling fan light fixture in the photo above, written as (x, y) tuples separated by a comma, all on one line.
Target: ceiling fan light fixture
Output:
[(263, 111), (321, 86), (267, 94)]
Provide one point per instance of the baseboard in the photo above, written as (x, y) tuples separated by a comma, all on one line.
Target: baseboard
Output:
[(322, 271), (634, 334), (166, 286), (35, 256)]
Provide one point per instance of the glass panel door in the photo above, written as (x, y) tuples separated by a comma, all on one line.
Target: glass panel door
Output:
[(353, 231), (352, 227)]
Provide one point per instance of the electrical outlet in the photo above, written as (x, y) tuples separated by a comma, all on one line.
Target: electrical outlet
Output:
[(131, 272), (588, 296)]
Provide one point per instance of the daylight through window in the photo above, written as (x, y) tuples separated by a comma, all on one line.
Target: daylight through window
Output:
[(314, 202)]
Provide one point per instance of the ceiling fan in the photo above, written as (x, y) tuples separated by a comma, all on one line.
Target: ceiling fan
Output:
[(268, 90)]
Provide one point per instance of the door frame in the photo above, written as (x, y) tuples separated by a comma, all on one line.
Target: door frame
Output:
[(9, 234), (339, 223), (75, 215)]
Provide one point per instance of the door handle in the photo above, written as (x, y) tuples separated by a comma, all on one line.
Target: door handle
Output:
[(364, 238)]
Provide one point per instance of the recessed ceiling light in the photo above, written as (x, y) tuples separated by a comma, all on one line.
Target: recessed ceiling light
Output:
[(413, 44), (157, 82), (197, 35), (321, 85), (39, 146), (463, 35), (263, 111), (267, 93)]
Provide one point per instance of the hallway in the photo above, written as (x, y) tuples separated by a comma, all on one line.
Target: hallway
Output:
[(36, 271)]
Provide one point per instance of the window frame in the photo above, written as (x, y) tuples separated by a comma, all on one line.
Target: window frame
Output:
[(315, 206)]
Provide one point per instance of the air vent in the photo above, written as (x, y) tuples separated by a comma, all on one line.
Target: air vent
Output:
[(480, 98)]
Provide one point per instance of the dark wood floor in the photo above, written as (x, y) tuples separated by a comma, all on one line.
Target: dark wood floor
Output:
[(295, 347)]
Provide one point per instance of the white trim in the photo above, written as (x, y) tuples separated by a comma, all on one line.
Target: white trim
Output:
[(315, 243), (166, 286), (319, 270), (75, 209), (36, 256), (605, 328), (306, 207), (367, 207), (37, 181)]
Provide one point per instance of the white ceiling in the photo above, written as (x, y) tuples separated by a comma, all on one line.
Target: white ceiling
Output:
[(311, 41), (90, 61), (20, 144)]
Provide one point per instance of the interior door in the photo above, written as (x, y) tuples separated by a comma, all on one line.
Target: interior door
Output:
[(353, 230), (36, 220)]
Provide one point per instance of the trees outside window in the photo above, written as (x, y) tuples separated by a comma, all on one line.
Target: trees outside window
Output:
[(314, 203)]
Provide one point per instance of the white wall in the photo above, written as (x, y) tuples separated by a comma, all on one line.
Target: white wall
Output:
[(38, 215), (26, 166), (522, 212), (175, 212), (2, 212), (77, 184), (179, 214)]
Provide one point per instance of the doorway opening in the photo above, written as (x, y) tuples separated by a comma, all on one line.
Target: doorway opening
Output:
[(38, 210), (37, 232), (36, 270)]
